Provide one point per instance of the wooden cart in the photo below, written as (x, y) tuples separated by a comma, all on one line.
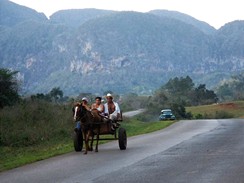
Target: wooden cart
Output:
[(118, 133)]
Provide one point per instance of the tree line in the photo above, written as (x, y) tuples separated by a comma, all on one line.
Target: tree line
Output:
[(177, 93)]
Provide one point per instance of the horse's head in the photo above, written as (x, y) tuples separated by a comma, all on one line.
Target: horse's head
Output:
[(79, 112)]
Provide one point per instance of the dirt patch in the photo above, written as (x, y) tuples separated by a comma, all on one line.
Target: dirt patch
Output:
[(228, 106)]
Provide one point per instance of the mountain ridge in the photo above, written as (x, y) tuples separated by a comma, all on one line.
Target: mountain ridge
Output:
[(119, 51), (12, 14)]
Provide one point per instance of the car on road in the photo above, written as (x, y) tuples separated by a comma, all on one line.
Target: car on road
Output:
[(166, 114)]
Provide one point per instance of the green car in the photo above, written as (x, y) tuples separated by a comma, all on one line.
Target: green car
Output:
[(166, 114)]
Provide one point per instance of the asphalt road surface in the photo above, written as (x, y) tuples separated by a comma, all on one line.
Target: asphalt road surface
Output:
[(203, 151), (133, 113)]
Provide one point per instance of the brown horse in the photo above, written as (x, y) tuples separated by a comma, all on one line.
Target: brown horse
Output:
[(90, 125)]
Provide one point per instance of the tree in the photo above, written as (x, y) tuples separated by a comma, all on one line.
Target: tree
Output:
[(158, 102), (179, 89), (56, 94), (202, 95), (238, 86), (232, 89), (179, 85), (180, 111), (8, 87)]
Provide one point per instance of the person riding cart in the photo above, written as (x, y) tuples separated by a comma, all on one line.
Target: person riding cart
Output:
[(112, 110)]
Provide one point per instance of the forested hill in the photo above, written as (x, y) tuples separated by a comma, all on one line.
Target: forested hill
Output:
[(203, 26), (12, 14), (76, 17), (94, 50)]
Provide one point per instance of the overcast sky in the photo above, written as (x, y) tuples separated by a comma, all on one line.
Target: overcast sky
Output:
[(214, 12)]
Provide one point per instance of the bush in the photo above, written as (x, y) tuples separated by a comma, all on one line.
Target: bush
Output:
[(223, 115), (217, 115), (147, 117), (199, 116)]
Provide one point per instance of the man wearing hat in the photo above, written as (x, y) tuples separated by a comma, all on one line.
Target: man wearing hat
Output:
[(111, 108), (85, 103)]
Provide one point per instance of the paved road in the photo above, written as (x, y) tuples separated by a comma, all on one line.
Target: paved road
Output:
[(132, 113), (186, 152)]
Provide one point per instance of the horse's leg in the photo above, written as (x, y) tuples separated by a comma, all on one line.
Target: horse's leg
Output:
[(84, 138), (87, 134), (91, 144), (98, 132)]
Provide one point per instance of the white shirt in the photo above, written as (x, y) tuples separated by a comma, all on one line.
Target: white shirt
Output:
[(117, 109)]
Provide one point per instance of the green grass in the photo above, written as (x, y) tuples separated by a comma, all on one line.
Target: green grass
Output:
[(12, 157), (232, 109)]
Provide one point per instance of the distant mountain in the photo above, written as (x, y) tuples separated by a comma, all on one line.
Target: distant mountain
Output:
[(203, 26), (95, 50), (12, 14), (140, 36), (76, 17), (34, 49), (230, 40)]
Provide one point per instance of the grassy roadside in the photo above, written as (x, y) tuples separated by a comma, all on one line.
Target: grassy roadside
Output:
[(12, 157), (222, 110)]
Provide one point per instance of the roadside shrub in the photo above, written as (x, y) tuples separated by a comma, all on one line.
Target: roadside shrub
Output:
[(147, 117), (189, 115), (199, 116), (179, 111), (216, 115), (223, 115)]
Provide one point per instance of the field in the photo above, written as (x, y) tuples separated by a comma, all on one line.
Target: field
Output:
[(221, 110)]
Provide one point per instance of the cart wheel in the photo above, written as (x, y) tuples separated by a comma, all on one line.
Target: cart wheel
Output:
[(122, 139), (78, 140)]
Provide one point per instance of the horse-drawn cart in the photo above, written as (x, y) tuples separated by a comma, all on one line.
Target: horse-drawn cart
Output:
[(106, 128)]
